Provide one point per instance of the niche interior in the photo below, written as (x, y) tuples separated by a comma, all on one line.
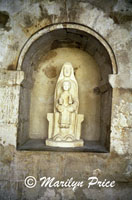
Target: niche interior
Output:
[(41, 60)]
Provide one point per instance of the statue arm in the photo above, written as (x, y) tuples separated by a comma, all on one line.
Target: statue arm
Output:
[(73, 106), (59, 105)]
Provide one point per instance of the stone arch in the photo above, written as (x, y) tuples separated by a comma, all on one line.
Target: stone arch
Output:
[(74, 36), (67, 25)]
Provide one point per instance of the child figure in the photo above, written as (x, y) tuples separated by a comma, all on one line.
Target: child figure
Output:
[(66, 105)]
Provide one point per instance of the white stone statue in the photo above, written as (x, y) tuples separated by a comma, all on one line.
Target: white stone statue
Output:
[(65, 122)]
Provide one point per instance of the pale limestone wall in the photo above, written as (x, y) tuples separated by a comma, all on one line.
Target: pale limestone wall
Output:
[(112, 21)]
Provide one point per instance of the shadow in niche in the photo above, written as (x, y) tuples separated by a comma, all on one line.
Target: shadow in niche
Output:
[(38, 145), (60, 38)]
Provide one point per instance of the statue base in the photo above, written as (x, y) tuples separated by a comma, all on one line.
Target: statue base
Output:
[(75, 143)]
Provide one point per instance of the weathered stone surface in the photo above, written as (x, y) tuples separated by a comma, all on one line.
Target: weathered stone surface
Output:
[(121, 121), (11, 78)]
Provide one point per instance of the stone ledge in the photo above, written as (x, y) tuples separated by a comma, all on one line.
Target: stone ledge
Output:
[(120, 81), (9, 78)]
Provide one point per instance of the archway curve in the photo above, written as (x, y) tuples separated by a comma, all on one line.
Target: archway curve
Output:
[(72, 36), (67, 25)]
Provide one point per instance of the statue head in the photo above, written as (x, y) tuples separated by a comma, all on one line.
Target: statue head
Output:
[(66, 85), (67, 69)]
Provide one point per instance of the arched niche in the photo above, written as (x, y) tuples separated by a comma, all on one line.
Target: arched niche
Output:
[(41, 59)]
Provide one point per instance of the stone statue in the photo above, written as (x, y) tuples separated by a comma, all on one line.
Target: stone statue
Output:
[(65, 122)]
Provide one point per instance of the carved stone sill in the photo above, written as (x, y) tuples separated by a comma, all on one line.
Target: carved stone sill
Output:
[(39, 145)]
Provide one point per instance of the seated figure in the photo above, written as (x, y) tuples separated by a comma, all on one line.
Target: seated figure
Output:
[(65, 122)]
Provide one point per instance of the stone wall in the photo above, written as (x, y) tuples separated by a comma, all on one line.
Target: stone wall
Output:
[(19, 20)]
